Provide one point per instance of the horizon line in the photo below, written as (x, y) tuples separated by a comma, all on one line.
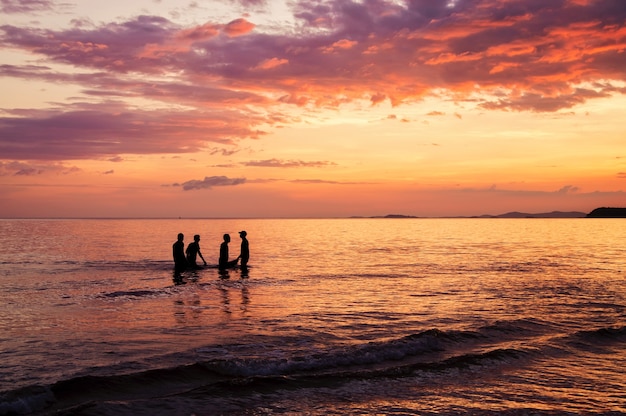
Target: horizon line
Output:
[(521, 215)]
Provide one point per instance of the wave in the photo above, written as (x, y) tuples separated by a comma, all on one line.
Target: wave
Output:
[(130, 294), (67, 394), (429, 354), (60, 266), (602, 340), (431, 350)]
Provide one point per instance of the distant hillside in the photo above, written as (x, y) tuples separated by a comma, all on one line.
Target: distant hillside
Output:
[(388, 216), (396, 216), (607, 212), (553, 214), (604, 212)]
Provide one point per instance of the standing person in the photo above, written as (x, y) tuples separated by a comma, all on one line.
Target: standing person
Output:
[(223, 261), (193, 250), (245, 249), (178, 251)]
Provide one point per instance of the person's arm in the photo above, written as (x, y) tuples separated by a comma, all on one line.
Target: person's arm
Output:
[(202, 257)]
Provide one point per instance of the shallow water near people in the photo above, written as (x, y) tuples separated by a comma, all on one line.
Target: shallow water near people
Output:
[(333, 316)]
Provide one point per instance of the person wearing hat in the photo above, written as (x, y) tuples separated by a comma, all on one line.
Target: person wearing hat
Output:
[(245, 250)]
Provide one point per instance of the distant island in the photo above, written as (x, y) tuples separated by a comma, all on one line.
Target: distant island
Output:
[(553, 214), (603, 212), (388, 216), (396, 216), (607, 212)]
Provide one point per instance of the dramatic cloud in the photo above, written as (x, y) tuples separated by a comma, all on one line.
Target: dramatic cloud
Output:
[(370, 49), (210, 181), (515, 55)]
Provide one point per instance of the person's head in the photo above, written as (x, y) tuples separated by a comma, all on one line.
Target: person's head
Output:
[(181, 236), (196, 238), (243, 234), (227, 238)]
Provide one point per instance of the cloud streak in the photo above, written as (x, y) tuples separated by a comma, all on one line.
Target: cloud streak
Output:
[(110, 129), (209, 182), (25, 6), (276, 163), (15, 168)]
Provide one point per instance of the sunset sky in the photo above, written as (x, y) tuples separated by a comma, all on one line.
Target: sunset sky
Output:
[(262, 108)]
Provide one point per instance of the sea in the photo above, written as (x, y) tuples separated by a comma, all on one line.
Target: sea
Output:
[(352, 316)]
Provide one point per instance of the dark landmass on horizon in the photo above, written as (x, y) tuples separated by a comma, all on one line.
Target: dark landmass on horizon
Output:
[(553, 214), (607, 212), (603, 212)]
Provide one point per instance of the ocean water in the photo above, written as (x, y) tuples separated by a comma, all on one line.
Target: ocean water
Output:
[(337, 316)]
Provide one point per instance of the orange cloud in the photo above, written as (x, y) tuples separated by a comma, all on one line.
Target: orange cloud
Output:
[(203, 32), (339, 45), (272, 63), (238, 27)]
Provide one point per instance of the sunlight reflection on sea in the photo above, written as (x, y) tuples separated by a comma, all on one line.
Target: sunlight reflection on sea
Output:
[(97, 297)]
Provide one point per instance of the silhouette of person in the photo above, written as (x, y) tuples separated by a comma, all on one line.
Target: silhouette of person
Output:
[(178, 251), (245, 249), (193, 250), (223, 262)]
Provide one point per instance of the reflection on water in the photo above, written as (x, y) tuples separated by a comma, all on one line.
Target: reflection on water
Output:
[(318, 288), (225, 299), (199, 294), (227, 289), (245, 297), (187, 310), (224, 273)]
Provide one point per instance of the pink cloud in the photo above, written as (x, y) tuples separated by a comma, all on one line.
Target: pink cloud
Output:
[(25, 6), (238, 27), (205, 31), (339, 45), (272, 63), (248, 3)]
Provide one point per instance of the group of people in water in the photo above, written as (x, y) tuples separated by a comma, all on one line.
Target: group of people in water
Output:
[(188, 258)]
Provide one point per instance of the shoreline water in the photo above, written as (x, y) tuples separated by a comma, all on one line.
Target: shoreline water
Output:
[(436, 317)]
